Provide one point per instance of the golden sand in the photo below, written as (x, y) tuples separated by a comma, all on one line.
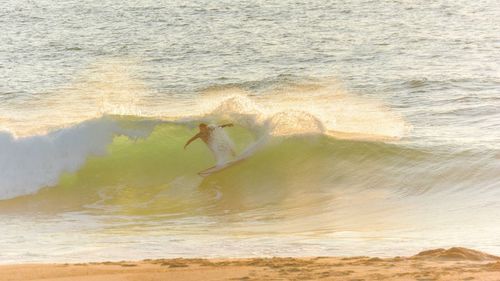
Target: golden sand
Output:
[(439, 264)]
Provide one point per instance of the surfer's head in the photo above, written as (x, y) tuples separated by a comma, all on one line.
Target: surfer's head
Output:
[(202, 126)]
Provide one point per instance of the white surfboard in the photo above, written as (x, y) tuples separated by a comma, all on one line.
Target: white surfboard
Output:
[(243, 156), (218, 168)]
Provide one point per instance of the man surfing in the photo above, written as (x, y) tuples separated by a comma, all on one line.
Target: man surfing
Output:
[(217, 141)]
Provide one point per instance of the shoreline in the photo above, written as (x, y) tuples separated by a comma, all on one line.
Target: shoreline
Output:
[(438, 264)]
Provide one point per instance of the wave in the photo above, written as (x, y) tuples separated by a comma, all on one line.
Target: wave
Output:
[(30, 163), (137, 166)]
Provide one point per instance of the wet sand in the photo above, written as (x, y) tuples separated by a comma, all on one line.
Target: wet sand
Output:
[(439, 264)]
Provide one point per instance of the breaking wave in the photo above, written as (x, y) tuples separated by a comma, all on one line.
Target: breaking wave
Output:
[(30, 163)]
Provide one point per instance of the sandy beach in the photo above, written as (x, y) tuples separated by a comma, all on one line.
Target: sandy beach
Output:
[(439, 264)]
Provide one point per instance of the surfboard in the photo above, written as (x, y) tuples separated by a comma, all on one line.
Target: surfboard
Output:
[(249, 151), (218, 168)]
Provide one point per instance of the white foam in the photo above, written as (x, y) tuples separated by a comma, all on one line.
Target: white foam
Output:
[(30, 163)]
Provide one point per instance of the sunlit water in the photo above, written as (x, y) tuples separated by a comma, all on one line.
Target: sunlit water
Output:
[(380, 125)]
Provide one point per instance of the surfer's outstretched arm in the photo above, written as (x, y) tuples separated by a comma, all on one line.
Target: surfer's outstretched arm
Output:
[(226, 125), (191, 140)]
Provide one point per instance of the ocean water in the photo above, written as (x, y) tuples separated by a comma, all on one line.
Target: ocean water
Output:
[(375, 128)]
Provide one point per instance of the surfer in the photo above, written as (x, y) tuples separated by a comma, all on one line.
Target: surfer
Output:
[(221, 147), (206, 134)]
